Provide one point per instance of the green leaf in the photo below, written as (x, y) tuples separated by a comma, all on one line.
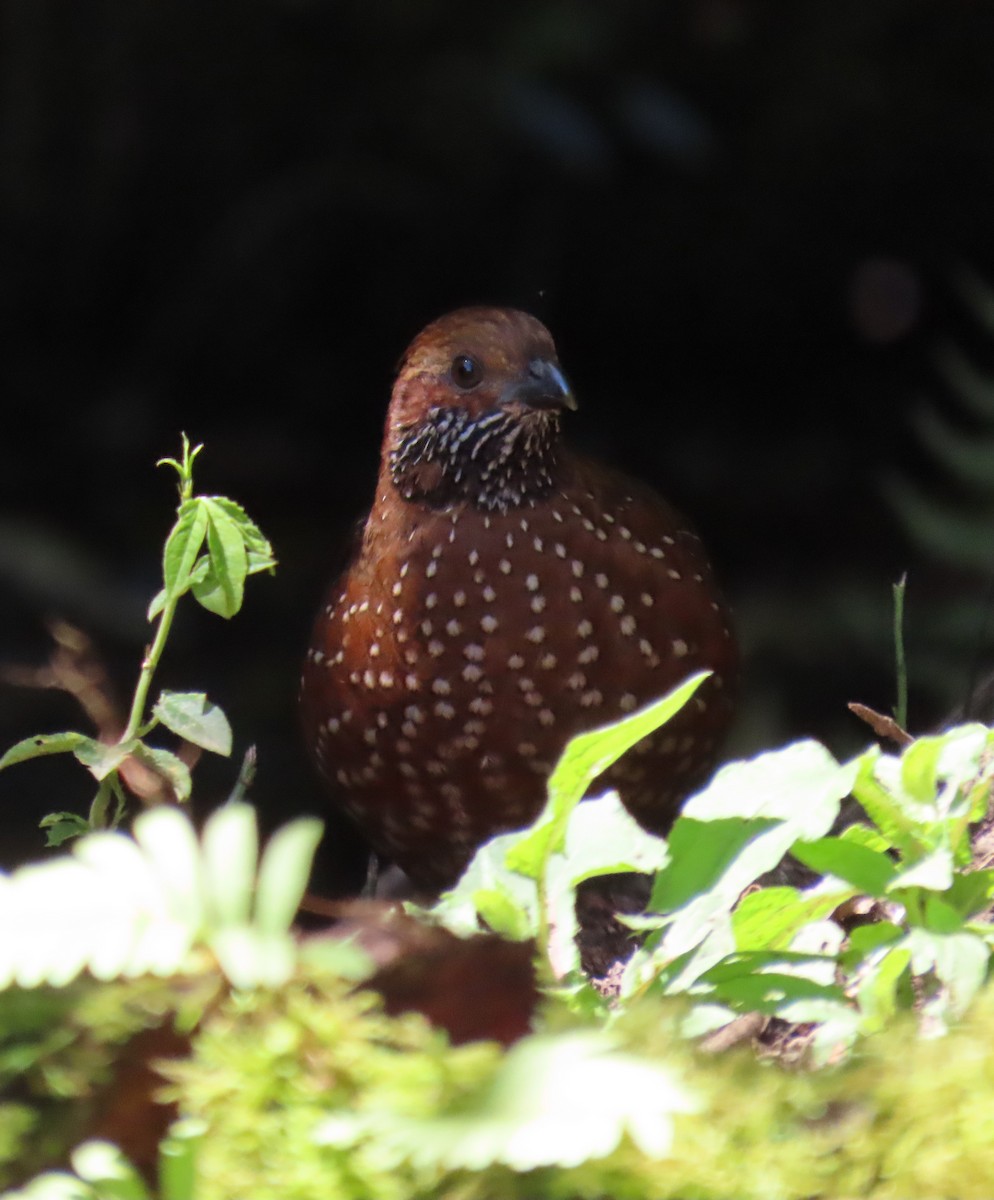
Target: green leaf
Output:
[(222, 589), (801, 784), (959, 960), (702, 853), (178, 1153), (260, 552), (45, 743), (865, 835), (934, 871), (867, 870), (183, 546), (769, 918), (164, 763), (192, 717), (883, 809), (554, 1100), (885, 988), (103, 1165), (970, 893), (864, 940), (284, 872), (100, 758), (500, 913), (487, 874), (61, 827), (585, 758), (230, 848)]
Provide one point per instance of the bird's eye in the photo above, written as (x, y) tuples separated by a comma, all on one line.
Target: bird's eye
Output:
[(466, 371)]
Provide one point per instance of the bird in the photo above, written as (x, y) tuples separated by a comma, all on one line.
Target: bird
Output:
[(506, 594)]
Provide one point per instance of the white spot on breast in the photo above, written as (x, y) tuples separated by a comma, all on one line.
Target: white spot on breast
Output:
[(547, 662), (488, 623), (577, 568), (398, 615), (459, 599), (617, 603), (538, 604), (601, 579), (504, 567), (441, 687), (334, 724), (679, 647), (538, 544), (640, 547), (674, 574), (369, 737), (515, 662), (374, 650), (625, 532), (471, 672), (407, 770), (412, 683), (527, 750), (431, 569), (397, 588), (481, 706), (588, 525), (453, 628), (410, 656), (627, 702), (627, 624), (531, 583), (646, 648), (646, 599), (369, 679), (657, 553), (409, 729), (588, 654), (509, 540), (576, 681), (386, 679), (404, 568), (444, 710), (575, 595), (473, 652), (435, 648), (427, 628), (431, 600), (489, 594), (536, 634), (474, 557), (546, 717), (591, 699), (474, 727)]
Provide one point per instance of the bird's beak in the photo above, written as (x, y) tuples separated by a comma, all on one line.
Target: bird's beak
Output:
[(542, 385)]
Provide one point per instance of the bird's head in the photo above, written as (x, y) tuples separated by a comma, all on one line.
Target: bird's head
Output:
[(475, 411)]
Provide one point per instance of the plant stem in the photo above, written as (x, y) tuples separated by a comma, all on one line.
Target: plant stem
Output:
[(901, 707), (149, 665)]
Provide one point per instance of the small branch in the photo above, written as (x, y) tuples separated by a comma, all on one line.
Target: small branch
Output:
[(882, 725)]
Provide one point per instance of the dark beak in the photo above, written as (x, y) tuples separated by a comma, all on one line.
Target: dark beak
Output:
[(542, 385)]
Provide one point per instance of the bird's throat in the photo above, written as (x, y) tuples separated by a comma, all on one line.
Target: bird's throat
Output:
[(498, 461)]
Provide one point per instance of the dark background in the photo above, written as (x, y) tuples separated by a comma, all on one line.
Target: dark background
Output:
[(758, 231)]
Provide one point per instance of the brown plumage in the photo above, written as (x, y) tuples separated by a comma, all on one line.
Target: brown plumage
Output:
[(508, 594)]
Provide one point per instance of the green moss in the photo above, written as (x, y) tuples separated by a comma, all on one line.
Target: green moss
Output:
[(270, 1068)]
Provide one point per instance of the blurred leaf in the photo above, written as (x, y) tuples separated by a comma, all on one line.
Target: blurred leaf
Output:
[(192, 717), (163, 762), (283, 873), (183, 546), (867, 870), (46, 743)]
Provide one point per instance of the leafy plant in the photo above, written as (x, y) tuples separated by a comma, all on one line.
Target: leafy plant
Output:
[(211, 550)]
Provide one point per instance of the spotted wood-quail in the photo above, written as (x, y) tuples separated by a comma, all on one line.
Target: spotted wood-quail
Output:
[(507, 594)]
